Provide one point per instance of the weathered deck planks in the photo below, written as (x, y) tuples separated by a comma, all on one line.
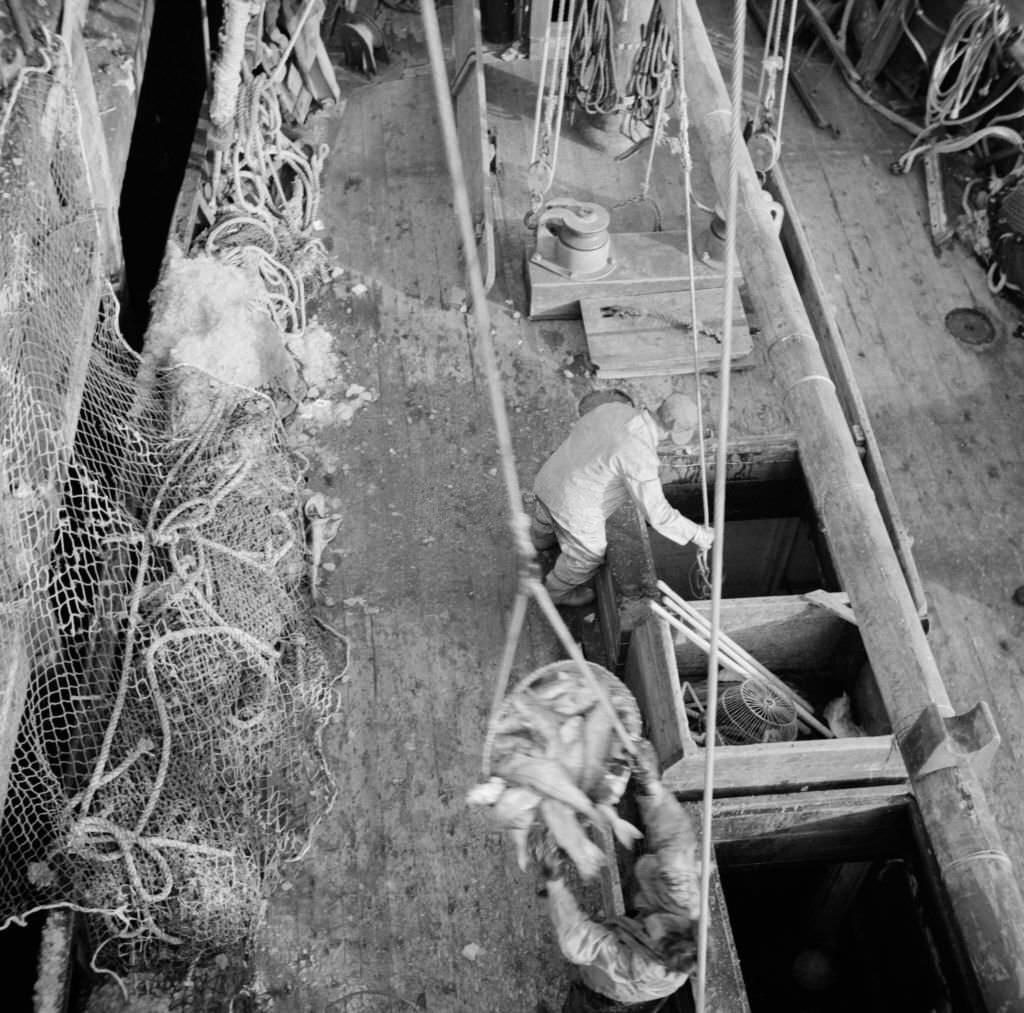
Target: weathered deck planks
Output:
[(948, 418)]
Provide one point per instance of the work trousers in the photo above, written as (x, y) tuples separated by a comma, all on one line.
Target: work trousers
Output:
[(581, 556)]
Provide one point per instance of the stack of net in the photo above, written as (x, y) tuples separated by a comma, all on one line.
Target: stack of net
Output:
[(168, 757)]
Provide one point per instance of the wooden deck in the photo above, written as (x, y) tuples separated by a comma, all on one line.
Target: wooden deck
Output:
[(406, 891)]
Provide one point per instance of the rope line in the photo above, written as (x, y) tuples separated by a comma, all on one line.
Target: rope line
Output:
[(547, 129), (736, 149), (703, 577), (529, 583)]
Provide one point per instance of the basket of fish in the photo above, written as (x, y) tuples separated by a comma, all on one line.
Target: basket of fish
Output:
[(558, 761)]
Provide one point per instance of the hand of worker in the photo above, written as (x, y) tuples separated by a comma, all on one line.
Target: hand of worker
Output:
[(704, 538), (646, 768)]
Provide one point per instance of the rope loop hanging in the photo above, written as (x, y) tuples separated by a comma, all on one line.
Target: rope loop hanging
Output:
[(595, 87), (651, 77)]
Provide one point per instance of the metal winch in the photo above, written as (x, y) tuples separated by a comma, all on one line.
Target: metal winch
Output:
[(573, 240)]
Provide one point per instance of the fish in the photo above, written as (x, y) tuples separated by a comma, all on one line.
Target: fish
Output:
[(570, 749), (546, 777), (538, 719), (516, 808), (572, 838), (625, 833), (486, 793)]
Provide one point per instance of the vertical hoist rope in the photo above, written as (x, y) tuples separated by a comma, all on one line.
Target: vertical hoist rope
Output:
[(482, 319), (721, 461), (683, 101), (549, 110), (541, 84), (787, 62)]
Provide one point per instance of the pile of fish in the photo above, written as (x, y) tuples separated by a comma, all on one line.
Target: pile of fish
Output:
[(557, 761)]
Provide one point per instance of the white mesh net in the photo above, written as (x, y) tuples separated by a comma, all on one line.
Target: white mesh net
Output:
[(168, 753)]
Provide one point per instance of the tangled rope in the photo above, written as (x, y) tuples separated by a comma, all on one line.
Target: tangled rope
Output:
[(263, 202), (966, 68)]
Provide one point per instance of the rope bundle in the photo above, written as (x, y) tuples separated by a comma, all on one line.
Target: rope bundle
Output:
[(592, 61)]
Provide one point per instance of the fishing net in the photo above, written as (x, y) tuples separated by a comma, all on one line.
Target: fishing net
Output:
[(171, 684)]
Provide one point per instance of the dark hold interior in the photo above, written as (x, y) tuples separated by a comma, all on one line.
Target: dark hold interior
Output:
[(773, 544), (862, 930)]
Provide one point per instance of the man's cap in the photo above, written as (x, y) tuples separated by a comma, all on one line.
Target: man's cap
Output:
[(678, 414)]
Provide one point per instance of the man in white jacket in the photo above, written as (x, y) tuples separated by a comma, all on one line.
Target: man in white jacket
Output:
[(610, 456)]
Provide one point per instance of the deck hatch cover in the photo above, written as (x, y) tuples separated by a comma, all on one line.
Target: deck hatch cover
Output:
[(970, 325)]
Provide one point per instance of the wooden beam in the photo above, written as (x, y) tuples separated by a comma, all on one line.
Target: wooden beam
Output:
[(833, 351), (790, 766), (832, 825), (725, 991), (652, 678), (15, 669), (784, 633), (888, 32), (105, 197)]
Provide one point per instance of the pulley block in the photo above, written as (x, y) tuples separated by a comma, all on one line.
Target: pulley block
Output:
[(573, 240)]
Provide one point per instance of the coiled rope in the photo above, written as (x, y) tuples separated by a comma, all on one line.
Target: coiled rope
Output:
[(595, 87), (263, 202)]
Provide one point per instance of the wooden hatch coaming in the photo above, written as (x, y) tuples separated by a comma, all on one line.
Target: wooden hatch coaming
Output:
[(808, 641)]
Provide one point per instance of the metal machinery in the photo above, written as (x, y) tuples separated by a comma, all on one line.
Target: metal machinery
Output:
[(573, 240)]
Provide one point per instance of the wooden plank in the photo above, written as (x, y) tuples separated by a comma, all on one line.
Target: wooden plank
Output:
[(653, 335), (725, 991), (15, 670), (651, 676), (784, 633), (470, 101), (185, 217), (790, 766), (888, 31), (612, 901), (106, 199), (833, 350), (645, 263), (816, 825)]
